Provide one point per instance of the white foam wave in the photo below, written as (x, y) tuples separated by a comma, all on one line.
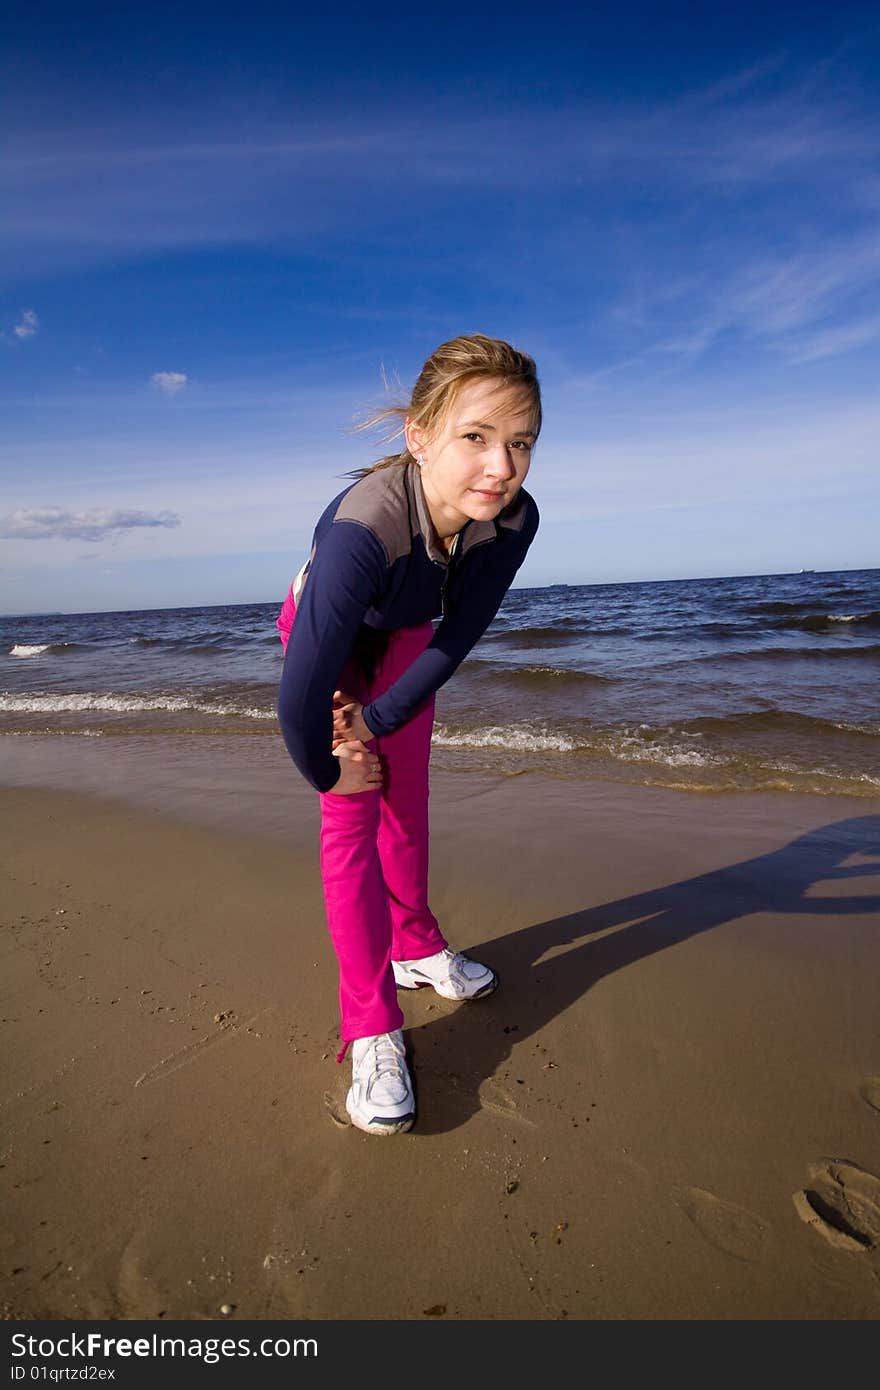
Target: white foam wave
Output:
[(123, 704), (63, 733), (22, 649), (627, 747), (635, 750), (558, 672), (518, 740), (824, 773), (853, 728), (842, 617)]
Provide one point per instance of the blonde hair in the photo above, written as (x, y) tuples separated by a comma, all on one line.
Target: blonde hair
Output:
[(446, 371)]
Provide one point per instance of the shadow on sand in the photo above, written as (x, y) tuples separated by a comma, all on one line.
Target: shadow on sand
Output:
[(453, 1055)]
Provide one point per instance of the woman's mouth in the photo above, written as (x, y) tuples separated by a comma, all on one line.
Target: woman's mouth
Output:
[(488, 496)]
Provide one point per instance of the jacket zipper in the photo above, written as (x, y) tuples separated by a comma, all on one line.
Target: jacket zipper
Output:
[(452, 551)]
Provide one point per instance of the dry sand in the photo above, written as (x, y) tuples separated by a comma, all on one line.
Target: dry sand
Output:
[(669, 1110)]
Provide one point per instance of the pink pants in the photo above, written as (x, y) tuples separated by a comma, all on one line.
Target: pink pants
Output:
[(374, 855)]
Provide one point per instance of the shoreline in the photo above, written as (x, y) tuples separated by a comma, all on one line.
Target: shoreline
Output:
[(249, 782), (685, 1042)]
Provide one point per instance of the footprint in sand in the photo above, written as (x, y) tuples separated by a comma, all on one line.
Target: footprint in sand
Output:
[(870, 1092), (335, 1107), (137, 1293), (494, 1097), (842, 1203), (723, 1224)]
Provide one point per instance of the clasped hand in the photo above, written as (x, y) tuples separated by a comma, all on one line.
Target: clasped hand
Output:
[(359, 769), (348, 719)]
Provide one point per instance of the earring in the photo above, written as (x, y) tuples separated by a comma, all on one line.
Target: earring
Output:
[(420, 459)]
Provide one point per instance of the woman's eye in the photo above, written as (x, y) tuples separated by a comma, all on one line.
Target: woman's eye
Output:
[(474, 436), (521, 444)]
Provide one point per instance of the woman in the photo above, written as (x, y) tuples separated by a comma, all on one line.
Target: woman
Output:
[(438, 530)]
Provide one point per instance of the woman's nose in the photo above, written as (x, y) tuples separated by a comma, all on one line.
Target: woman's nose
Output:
[(500, 464)]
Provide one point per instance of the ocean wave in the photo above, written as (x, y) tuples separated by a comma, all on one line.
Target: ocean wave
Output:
[(773, 721), (537, 636), (630, 744), (22, 649), (781, 654), (518, 739), (871, 619), (198, 642), (873, 730), (56, 733), (698, 743), (824, 622), (552, 674), (533, 675), (831, 774), (771, 606), (715, 627), (643, 746), (90, 702)]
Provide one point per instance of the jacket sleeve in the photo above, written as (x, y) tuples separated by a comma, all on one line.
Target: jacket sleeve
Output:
[(458, 632), (345, 577)]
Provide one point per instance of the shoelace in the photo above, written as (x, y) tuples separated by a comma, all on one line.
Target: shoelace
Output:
[(455, 967), (388, 1055), (386, 1038)]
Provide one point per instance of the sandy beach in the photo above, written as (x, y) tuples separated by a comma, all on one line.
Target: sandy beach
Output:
[(669, 1110)]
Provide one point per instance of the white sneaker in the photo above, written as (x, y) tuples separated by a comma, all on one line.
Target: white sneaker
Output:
[(381, 1099), (452, 975)]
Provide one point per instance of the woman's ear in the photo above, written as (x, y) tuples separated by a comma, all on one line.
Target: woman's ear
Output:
[(414, 436)]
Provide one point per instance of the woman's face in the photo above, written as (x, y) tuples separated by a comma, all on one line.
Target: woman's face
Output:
[(475, 464)]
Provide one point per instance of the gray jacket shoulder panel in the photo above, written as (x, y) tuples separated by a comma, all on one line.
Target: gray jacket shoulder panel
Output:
[(381, 502), (391, 504)]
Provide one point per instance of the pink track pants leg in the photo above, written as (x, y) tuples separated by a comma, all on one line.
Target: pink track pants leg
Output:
[(374, 858)]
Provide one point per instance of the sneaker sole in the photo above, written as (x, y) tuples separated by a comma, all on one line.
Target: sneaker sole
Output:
[(383, 1127)]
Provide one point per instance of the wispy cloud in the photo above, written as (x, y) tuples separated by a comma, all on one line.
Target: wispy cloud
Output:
[(122, 194), (791, 294), (815, 303), (97, 524), (829, 342), (28, 325), (169, 382)]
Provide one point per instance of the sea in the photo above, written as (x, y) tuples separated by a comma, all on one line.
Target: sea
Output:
[(752, 683)]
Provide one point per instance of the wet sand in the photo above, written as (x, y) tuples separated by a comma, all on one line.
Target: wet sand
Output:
[(669, 1110)]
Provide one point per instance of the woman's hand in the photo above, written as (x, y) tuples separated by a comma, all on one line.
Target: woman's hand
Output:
[(348, 720), (359, 769)]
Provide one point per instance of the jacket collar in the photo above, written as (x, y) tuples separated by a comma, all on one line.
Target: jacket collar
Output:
[(471, 534)]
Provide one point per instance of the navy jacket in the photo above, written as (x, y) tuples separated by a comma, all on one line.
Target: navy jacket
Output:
[(375, 561)]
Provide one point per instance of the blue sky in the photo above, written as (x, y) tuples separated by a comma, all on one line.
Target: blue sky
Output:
[(225, 227)]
